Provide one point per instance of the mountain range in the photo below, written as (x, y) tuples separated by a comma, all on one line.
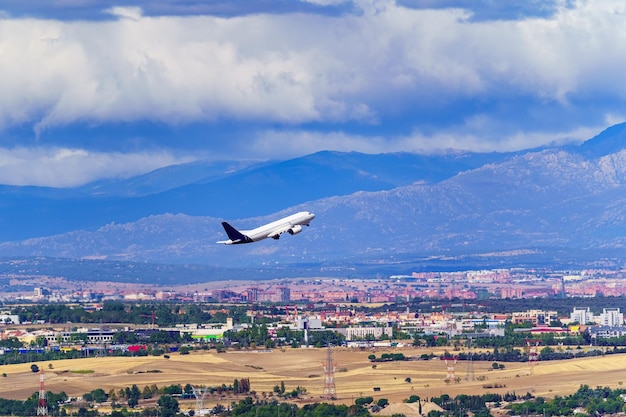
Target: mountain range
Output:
[(389, 212)]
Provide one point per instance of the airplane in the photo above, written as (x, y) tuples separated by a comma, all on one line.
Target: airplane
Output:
[(290, 224)]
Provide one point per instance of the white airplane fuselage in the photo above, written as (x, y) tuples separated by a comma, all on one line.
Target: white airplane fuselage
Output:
[(290, 224)]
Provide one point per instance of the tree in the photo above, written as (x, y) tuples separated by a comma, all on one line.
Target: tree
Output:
[(11, 343), (133, 396), (364, 400), (34, 368), (112, 398), (173, 389), (99, 395), (147, 392), (169, 406), (244, 385), (382, 402)]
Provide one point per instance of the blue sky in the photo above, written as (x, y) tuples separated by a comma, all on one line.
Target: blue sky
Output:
[(98, 89)]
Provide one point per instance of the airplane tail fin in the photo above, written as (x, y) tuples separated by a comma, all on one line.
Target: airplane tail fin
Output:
[(235, 235)]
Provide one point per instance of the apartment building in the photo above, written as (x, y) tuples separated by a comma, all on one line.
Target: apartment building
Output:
[(535, 317), (581, 315), (611, 317)]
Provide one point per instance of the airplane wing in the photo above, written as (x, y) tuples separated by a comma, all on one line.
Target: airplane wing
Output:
[(291, 229)]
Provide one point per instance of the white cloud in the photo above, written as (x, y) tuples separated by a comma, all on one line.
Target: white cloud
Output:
[(297, 69), (62, 167), (289, 144), (294, 143), (133, 13)]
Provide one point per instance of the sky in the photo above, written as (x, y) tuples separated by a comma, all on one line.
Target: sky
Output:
[(94, 89)]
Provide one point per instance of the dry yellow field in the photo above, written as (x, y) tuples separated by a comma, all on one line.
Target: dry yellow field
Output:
[(354, 377)]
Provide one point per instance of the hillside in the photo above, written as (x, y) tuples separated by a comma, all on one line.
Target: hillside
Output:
[(227, 189), (562, 204)]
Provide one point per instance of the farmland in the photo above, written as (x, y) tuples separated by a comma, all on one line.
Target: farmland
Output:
[(355, 375)]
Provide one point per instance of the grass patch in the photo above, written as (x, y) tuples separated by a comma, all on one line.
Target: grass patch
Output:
[(82, 371)]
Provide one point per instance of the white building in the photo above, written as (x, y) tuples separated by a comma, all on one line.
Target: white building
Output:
[(310, 323), (363, 333), (581, 315), (611, 317), (8, 318)]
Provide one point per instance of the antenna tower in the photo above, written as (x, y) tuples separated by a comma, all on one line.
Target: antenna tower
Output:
[(470, 363), (533, 353), (42, 402), (200, 393), (450, 364), (330, 391)]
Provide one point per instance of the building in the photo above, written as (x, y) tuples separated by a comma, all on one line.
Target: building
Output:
[(253, 295), (535, 317), (607, 332), (365, 333), (582, 315), (611, 317), (88, 336), (284, 294), (7, 318)]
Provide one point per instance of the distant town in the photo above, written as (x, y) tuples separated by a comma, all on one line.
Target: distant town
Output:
[(515, 283), (494, 316), (358, 312)]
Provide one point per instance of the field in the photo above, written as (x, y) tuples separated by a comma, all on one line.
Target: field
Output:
[(354, 376)]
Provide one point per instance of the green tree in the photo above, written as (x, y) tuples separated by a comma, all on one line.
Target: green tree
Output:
[(147, 392), (236, 386), (99, 395), (169, 406), (133, 396)]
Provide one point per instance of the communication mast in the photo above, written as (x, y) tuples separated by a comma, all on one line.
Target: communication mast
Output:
[(200, 393), (470, 364), (533, 353), (152, 316), (451, 365), (42, 402), (330, 391)]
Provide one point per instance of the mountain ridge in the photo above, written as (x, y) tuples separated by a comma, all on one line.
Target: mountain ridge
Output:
[(226, 189), (555, 203)]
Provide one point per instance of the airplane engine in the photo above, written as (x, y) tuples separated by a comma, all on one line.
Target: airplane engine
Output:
[(295, 230)]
